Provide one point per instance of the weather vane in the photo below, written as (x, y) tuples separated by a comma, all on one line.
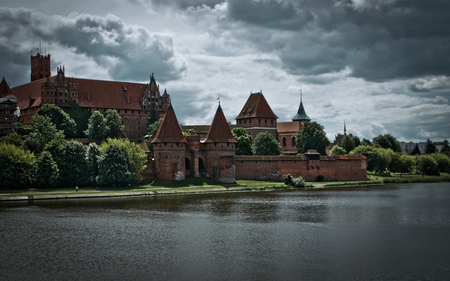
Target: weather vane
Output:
[(218, 97)]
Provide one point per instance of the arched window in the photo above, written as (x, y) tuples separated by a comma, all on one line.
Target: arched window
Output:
[(284, 141), (293, 141)]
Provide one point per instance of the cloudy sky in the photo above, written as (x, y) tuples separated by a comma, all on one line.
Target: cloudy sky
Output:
[(383, 66)]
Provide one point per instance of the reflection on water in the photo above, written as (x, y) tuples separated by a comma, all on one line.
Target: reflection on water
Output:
[(394, 232)]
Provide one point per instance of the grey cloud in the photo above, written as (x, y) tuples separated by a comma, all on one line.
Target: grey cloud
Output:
[(441, 83), (184, 4)]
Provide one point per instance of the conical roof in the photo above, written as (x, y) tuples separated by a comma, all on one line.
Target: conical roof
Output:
[(220, 130), (256, 106), (5, 91), (301, 114), (169, 130)]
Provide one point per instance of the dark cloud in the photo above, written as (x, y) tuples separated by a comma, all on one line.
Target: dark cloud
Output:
[(441, 83), (184, 4), (126, 51)]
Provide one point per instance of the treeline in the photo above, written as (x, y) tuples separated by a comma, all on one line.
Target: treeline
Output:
[(38, 155)]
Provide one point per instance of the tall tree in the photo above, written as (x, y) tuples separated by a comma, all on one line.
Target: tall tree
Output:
[(97, 128), (42, 131), (443, 162), (337, 150), (377, 160), (16, 165), (387, 141), (445, 147), (74, 168), (153, 113), (312, 136), (60, 118), (430, 147), (113, 167), (366, 142), (80, 115), (265, 144), (357, 141), (47, 172), (348, 144), (244, 141), (114, 124), (92, 155), (416, 150), (427, 165)]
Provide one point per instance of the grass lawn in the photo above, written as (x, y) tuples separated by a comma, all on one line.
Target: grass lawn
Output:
[(412, 178)]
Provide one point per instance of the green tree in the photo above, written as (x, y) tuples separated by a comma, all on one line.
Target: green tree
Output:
[(244, 141), (113, 167), (430, 147), (42, 132), (387, 141), (337, 150), (74, 167), (16, 165), (445, 147), (377, 160), (348, 144), (312, 136), (357, 141), (13, 138), (114, 124), (97, 128), (265, 144), (366, 142), (47, 172), (80, 115), (56, 149), (92, 155), (443, 162), (134, 152), (152, 129), (427, 165), (153, 113), (416, 150), (189, 132), (60, 118)]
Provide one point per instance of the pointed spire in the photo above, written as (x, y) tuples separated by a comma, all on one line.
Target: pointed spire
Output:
[(301, 114), (169, 130), (4, 88), (220, 130), (345, 129)]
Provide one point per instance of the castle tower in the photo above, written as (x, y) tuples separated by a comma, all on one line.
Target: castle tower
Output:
[(169, 148), (256, 116), (40, 67), (220, 149)]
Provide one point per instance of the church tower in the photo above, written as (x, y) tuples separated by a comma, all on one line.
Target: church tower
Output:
[(40, 67)]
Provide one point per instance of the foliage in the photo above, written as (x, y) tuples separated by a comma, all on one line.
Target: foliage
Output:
[(42, 131), (288, 179), (74, 167), (430, 147), (97, 128), (401, 163), (136, 155), (348, 144), (427, 165), (153, 113), (56, 149), (60, 118), (377, 160), (47, 172), (265, 144), (357, 142), (16, 165), (80, 115), (114, 126), (320, 177), (152, 130), (312, 136), (387, 141), (366, 142), (92, 155), (416, 150), (113, 167), (13, 138), (189, 132), (298, 182), (445, 147), (244, 141), (337, 150), (443, 162)]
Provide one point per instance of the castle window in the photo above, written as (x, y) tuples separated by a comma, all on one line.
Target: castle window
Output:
[(259, 120), (284, 141), (266, 121), (293, 141), (271, 121)]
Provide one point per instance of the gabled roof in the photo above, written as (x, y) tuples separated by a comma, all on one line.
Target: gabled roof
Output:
[(169, 130), (5, 91), (256, 106), (301, 114), (219, 130)]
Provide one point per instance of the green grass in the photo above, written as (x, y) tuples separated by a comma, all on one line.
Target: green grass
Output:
[(413, 178)]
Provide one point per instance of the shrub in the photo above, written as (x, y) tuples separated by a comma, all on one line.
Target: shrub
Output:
[(298, 182), (288, 179), (320, 177)]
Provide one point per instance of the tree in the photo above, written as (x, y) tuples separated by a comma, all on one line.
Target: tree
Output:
[(430, 147), (387, 141), (113, 167), (16, 165), (348, 144), (80, 115), (189, 132), (74, 167), (56, 149), (445, 147), (401, 163), (135, 154), (377, 161), (265, 144), (427, 165), (92, 155), (152, 129), (47, 172), (60, 118), (366, 142), (312, 136), (153, 113), (42, 131), (337, 150), (356, 141), (96, 126), (443, 162), (13, 138), (244, 141), (114, 124), (416, 150)]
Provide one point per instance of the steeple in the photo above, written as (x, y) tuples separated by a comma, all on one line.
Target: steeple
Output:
[(219, 130), (345, 129), (169, 130), (301, 114)]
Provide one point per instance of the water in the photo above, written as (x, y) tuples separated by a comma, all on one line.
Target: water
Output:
[(377, 233)]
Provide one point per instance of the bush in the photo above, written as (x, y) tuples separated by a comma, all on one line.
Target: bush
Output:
[(288, 179), (298, 182), (320, 177), (427, 165), (16, 165)]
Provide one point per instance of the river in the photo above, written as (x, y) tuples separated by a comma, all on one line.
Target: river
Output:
[(393, 232)]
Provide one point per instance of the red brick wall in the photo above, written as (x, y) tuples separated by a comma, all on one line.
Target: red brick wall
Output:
[(170, 160)]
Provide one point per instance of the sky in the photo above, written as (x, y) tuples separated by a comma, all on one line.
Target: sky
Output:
[(383, 66)]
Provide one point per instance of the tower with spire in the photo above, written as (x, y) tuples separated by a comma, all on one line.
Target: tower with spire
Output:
[(301, 114)]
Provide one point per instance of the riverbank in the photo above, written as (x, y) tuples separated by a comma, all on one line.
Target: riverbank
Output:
[(198, 186)]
